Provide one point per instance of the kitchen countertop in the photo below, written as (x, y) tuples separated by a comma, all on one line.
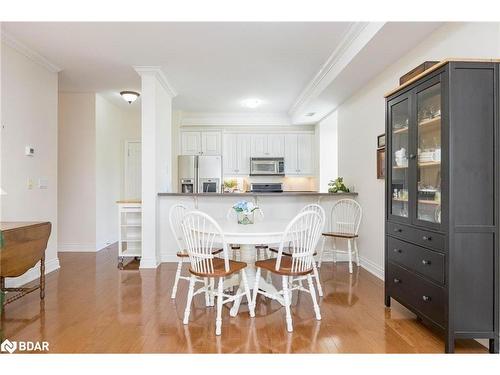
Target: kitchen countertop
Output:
[(247, 194)]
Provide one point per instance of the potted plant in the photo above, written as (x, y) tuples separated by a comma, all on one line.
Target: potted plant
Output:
[(337, 186), (230, 185), (245, 212)]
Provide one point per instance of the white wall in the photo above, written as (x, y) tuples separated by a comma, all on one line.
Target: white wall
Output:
[(28, 117), (328, 151), (77, 177), (92, 134), (362, 117)]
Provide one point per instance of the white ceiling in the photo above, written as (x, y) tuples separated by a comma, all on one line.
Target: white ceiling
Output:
[(212, 66), (293, 67)]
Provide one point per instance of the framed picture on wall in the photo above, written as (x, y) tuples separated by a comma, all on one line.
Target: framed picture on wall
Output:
[(381, 163), (381, 141)]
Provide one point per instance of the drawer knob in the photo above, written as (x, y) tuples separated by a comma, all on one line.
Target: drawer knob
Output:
[(427, 238), (426, 298), (426, 262), (398, 230), (398, 251), (397, 281)]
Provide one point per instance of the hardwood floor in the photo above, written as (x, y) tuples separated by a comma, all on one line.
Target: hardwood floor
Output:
[(92, 307)]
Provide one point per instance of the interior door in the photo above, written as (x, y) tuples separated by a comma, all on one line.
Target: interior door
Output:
[(190, 143), (305, 154), (398, 156), (133, 170), (210, 143), (276, 145), (291, 166)]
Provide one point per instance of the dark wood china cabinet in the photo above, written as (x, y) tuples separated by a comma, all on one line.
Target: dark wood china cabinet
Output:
[(442, 199)]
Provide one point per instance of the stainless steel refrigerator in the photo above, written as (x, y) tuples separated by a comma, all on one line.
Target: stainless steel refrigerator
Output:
[(200, 174)]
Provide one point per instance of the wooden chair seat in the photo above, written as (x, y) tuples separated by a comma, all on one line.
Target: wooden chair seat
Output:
[(261, 246), (184, 254), (235, 247), (219, 268), (340, 235), (287, 251), (285, 267)]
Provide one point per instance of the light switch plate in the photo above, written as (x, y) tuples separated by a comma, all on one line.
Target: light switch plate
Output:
[(29, 151), (29, 183), (43, 183)]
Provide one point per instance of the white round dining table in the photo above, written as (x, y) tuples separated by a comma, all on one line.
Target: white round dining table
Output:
[(267, 232)]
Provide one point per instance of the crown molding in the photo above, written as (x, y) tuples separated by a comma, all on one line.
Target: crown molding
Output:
[(233, 119), (334, 63), (159, 75), (29, 53)]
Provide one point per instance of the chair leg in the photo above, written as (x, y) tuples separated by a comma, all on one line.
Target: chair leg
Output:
[(207, 292), (189, 299), (286, 296), (356, 251), (177, 277), (251, 307), (349, 251), (312, 292), (322, 251), (256, 288), (318, 281), (218, 320), (334, 244), (212, 291)]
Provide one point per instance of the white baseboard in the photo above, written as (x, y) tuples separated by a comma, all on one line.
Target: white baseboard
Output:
[(149, 263), (32, 274), (77, 248)]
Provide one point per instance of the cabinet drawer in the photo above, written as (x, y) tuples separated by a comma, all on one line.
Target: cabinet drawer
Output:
[(418, 236), (415, 292), (426, 262)]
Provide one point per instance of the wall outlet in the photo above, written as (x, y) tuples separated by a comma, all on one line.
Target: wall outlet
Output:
[(29, 183)]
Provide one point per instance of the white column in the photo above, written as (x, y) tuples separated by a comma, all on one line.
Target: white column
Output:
[(156, 121)]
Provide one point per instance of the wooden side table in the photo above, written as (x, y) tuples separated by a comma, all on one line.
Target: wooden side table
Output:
[(22, 246)]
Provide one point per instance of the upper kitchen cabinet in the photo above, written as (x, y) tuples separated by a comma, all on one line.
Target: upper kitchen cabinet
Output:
[(267, 145), (236, 154), (299, 154), (201, 143)]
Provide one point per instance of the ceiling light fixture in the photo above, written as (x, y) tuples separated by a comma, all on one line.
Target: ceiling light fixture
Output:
[(129, 96), (251, 103), (310, 114)]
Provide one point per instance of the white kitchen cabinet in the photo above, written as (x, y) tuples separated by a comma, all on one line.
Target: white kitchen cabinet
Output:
[(268, 145), (210, 143), (244, 151), (191, 143), (200, 143), (299, 154), (229, 153), (236, 154)]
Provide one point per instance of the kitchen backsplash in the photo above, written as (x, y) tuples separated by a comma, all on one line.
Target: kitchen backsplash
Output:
[(289, 183)]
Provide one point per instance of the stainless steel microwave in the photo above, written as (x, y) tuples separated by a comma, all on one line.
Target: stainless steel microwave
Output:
[(267, 167)]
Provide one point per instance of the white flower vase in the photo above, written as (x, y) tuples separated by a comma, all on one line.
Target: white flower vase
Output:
[(245, 218)]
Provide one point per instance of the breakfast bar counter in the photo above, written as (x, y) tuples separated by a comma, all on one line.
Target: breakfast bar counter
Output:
[(279, 207)]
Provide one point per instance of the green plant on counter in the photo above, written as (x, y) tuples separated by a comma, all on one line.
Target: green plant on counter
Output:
[(230, 185), (337, 186)]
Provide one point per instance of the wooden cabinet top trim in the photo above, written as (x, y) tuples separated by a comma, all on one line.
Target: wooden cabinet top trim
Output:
[(435, 67)]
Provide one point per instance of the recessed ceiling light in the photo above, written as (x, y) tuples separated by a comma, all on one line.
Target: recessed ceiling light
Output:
[(310, 114), (251, 103), (129, 96)]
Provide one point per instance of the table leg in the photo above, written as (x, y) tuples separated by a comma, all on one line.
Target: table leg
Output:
[(248, 255)]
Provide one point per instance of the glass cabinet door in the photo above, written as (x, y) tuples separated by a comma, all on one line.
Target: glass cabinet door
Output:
[(429, 154), (399, 174)]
